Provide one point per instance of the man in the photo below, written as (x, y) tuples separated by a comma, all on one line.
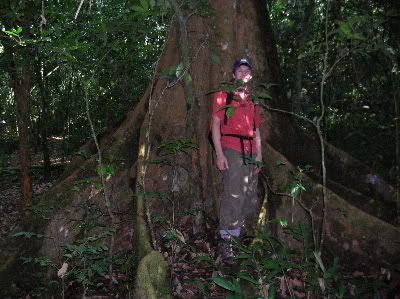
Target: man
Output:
[(237, 143)]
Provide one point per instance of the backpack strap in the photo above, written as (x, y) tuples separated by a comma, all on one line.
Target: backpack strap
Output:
[(254, 118)]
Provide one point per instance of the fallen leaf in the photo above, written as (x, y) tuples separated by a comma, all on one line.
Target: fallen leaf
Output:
[(358, 273), (321, 282), (282, 285), (62, 270)]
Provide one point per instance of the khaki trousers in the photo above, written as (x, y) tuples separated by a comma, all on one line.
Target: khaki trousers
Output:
[(239, 203)]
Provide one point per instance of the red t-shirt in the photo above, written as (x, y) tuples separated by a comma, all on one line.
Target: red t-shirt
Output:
[(245, 117)]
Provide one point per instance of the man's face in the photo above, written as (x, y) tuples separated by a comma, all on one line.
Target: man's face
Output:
[(243, 73)]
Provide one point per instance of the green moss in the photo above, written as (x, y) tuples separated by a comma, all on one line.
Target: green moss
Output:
[(152, 281), (142, 244), (152, 277)]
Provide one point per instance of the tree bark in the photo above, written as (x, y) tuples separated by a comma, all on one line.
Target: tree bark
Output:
[(43, 114), (19, 58), (21, 86)]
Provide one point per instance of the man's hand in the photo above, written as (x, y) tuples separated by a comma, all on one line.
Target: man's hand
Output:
[(221, 162)]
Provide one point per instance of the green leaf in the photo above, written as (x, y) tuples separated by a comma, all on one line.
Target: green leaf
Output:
[(281, 221), (225, 284), (344, 27), (44, 261), (145, 4), (250, 161), (174, 235), (173, 70), (202, 287), (271, 264), (267, 85), (247, 277), (228, 87), (244, 256), (138, 8), (346, 31), (179, 70), (204, 258), (100, 267), (215, 59), (159, 219), (317, 256), (98, 185), (264, 95), (13, 32), (28, 235), (272, 275), (296, 188), (211, 91), (152, 3), (341, 291), (229, 110), (187, 79), (272, 291), (26, 260), (105, 170), (236, 287)]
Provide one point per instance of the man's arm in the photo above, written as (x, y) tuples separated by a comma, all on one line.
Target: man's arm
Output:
[(221, 162)]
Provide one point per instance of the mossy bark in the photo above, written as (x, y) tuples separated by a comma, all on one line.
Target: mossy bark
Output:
[(152, 277)]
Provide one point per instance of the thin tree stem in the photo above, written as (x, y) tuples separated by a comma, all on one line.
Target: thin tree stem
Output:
[(103, 182), (78, 10), (396, 111), (320, 135)]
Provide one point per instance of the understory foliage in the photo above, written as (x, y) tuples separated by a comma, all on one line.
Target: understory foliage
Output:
[(362, 93), (81, 267), (265, 267)]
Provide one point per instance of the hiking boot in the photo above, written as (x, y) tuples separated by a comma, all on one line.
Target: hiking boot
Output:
[(226, 252)]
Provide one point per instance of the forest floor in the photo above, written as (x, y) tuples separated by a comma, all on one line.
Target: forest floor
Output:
[(264, 269)]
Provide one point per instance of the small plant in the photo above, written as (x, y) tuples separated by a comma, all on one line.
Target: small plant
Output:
[(88, 259), (28, 235), (44, 210), (37, 268), (267, 267)]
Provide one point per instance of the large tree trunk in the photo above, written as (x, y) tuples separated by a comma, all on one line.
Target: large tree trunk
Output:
[(170, 110), (19, 59)]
